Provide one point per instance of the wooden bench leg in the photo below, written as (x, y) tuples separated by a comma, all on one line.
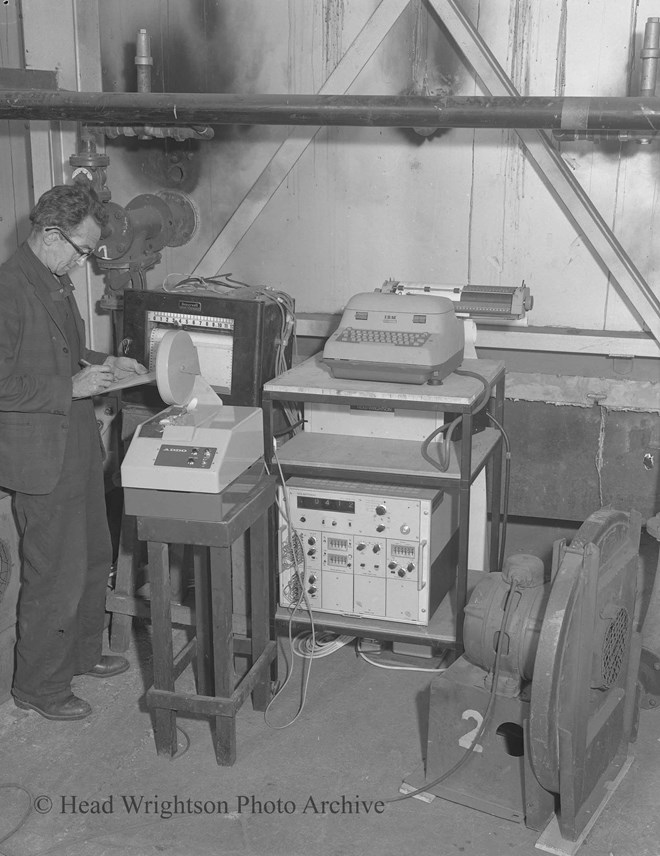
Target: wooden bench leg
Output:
[(121, 624), (224, 727), (224, 739), (259, 563), (165, 733), (203, 622)]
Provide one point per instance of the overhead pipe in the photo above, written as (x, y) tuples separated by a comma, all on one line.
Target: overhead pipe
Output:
[(143, 64), (649, 56), (143, 61), (568, 113)]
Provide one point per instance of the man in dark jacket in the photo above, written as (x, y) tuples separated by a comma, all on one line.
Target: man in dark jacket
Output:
[(51, 457)]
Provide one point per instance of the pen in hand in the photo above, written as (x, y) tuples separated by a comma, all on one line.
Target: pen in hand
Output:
[(87, 365)]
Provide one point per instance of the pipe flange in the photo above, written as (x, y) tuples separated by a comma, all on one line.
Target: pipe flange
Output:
[(184, 215)]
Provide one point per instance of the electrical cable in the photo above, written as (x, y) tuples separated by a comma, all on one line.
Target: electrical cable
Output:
[(285, 431), (467, 754), (448, 428), (180, 752), (444, 454), (323, 645), (328, 643), (223, 284), (394, 668), (506, 488), (15, 786), (294, 541)]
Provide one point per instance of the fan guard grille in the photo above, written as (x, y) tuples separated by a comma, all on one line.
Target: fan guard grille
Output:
[(614, 647)]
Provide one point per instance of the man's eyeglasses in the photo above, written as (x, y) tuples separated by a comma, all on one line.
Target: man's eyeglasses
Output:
[(81, 252)]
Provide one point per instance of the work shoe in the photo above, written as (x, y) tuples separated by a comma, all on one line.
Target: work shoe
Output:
[(69, 708), (108, 666)]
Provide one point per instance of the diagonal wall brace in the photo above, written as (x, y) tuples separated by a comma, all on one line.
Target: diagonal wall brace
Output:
[(554, 173)]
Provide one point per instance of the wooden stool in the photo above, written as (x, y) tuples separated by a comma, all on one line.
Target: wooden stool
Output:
[(245, 507)]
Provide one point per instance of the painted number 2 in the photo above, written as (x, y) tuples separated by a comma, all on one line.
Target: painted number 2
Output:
[(467, 740)]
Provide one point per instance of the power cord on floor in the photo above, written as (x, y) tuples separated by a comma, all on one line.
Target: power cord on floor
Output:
[(305, 645), (465, 757), (396, 668), (180, 752), (290, 669), (328, 643), (28, 811)]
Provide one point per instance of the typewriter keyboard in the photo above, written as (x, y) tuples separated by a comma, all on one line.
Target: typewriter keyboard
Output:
[(405, 338)]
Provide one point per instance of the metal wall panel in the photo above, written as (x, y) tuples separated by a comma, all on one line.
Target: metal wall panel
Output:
[(569, 461)]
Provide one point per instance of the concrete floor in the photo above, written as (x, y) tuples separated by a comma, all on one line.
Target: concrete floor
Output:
[(361, 732)]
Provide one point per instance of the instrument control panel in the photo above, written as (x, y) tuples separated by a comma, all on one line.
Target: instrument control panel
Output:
[(362, 549)]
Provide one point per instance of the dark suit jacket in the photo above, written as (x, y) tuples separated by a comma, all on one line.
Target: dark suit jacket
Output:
[(35, 376)]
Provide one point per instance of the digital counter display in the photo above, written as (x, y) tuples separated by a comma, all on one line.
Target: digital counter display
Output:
[(320, 504)]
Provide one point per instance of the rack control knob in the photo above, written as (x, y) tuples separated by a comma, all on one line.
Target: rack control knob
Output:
[(376, 548), (311, 540), (392, 565), (311, 552), (312, 590), (401, 572), (410, 567), (380, 527), (361, 546), (312, 578), (381, 509), (405, 529)]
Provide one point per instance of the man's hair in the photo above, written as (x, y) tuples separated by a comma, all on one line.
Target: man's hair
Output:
[(65, 206)]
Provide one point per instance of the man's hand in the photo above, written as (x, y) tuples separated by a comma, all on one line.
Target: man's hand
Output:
[(123, 367), (92, 380)]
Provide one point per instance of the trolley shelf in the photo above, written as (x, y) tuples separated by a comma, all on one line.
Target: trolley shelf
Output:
[(397, 461), (440, 631), (356, 457)]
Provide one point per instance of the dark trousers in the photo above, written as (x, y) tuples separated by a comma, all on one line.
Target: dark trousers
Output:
[(67, 554)]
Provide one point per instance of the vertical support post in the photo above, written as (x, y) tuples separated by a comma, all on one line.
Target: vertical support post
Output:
[(73, 47), (463, 523), (496, 407)]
